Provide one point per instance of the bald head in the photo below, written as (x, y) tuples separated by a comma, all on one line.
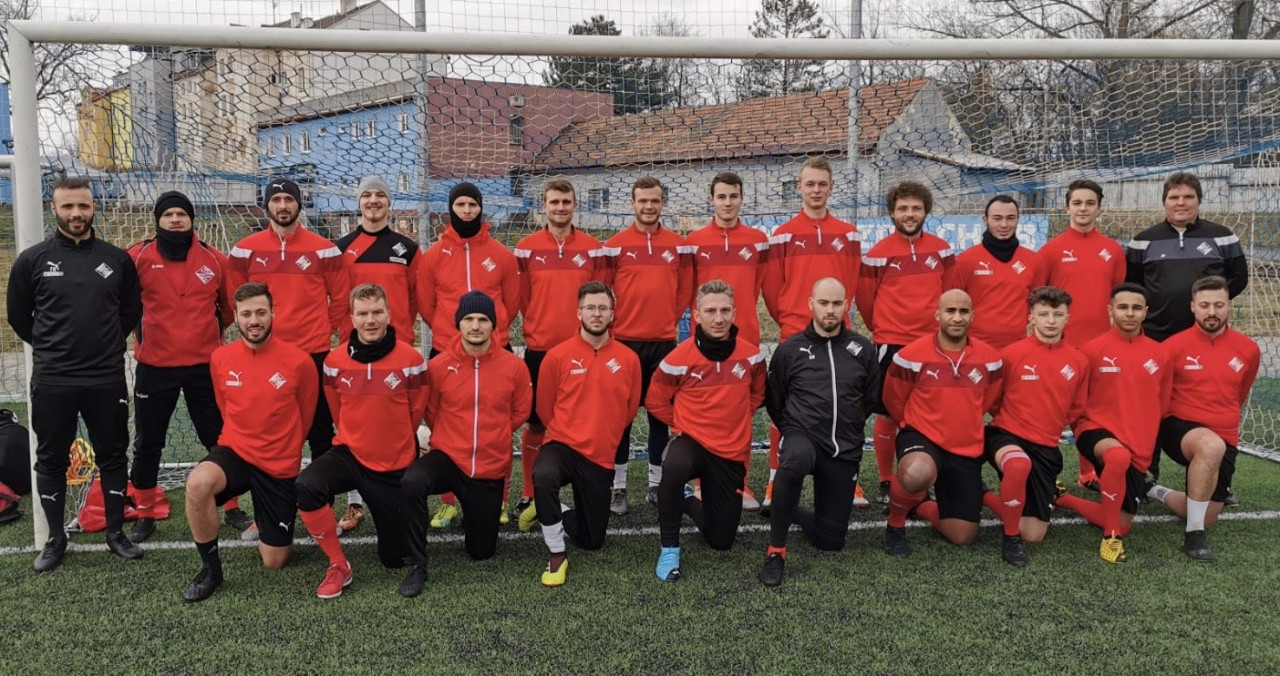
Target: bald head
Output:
[(954, 296), (828, 285)]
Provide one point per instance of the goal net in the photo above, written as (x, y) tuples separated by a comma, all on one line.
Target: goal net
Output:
[(216, 121)]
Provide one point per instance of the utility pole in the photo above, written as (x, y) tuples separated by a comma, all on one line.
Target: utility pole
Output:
[(855, 84), (421, 96)]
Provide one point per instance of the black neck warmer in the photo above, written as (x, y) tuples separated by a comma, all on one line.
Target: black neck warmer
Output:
[(1002, 249), (465, 229), (366, 353), (715, 350), (174, 246)]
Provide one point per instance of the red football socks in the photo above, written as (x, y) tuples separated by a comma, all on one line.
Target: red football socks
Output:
[(324, 530)]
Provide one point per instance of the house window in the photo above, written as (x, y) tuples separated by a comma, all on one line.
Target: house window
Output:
[(342, 129), (597, 199), (287, 146), (402, 183), (402, 122), (304, 141), (321, 131), (519, 184), (790, 196), (271, 146), (371, 128), (355, 131), (515, 130)]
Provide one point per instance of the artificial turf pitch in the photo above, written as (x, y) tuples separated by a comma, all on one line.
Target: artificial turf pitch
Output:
[(943, 610)]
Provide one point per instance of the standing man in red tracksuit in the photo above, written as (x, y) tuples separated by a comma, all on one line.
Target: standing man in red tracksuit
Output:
[(466, 258), (478, 395), (1129, 389), (588, 391), (1214, 367), (553, 262), (706, 390), (376, 388), (1087, 265), (184, 309), (265, 388), (813, 245), (728, 250), (998, 274), (901, 274), (374, 253), (649, 268), (1044, 389), (939, 388), (308, 281)]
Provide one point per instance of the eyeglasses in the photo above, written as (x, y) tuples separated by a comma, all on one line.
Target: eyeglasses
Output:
[(594, 309)]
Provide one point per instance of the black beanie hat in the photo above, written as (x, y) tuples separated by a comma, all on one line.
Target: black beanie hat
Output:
[(465, 229), (465, 189), (171, 199), (279, 185), (474, 302)]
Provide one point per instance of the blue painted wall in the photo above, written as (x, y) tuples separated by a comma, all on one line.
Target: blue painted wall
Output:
[(337, 160), (6, 143)]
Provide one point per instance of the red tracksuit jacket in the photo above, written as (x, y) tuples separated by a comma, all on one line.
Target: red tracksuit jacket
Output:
[(900, 285), (735, 255), (1129, 388), (944, 395), (550, 274), (474, 404), (267, 398), (1043, 389), (185, 304), (999, 291), (1212, 378), (452, 267), (802, 251), (651, 274), (711, 402), (390, 260), (377, 406), (308, 282), (587, 397), (1087, 266)]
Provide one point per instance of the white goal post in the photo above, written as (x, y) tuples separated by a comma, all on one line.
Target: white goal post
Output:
[(24, 34)]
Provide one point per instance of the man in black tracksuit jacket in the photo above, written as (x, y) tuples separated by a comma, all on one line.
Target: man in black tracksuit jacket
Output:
[(74, 298), (823, 384), (1168, 257)]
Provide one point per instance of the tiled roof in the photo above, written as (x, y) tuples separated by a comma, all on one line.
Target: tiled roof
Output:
[(785, 125)]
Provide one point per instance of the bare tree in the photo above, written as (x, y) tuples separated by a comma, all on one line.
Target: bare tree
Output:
[(837, 17), (1083, 112), (61, 68), (691, 82)]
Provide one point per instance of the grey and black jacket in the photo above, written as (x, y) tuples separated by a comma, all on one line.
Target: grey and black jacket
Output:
[(1166, 263), (824, 388)]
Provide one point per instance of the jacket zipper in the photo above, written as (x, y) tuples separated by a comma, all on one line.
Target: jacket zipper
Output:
[(475, 415), (467, 248), (835, 410)]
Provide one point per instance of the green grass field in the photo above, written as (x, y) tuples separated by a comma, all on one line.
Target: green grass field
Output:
[(944, 610)]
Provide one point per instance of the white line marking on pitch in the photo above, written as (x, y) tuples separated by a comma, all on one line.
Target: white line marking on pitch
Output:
[(236, 543)]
